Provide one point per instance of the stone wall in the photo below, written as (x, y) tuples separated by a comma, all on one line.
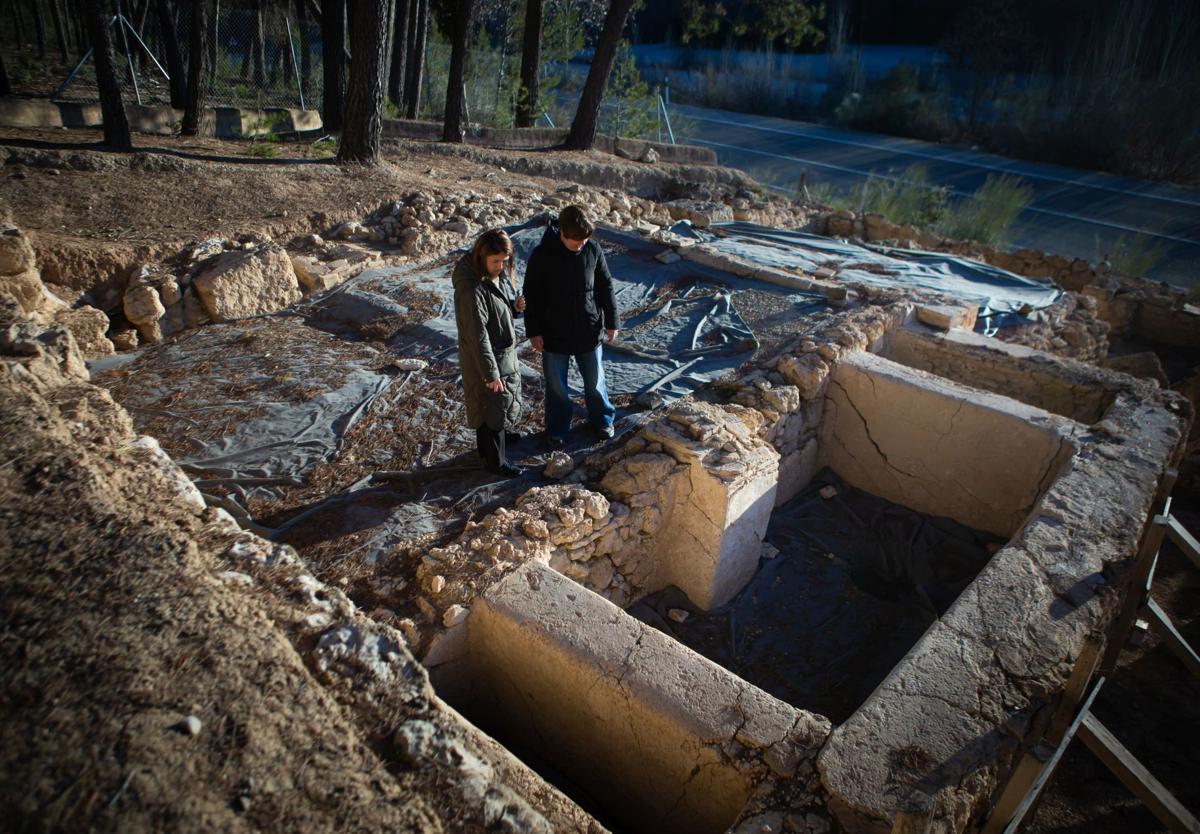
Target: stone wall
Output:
[(1130, 305), (21, 279)]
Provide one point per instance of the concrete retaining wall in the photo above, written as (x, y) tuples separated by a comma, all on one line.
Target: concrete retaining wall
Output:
[(934, 741), (221, 122)]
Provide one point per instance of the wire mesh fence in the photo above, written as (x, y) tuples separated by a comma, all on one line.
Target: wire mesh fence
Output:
[(259, 53), (268, 53)]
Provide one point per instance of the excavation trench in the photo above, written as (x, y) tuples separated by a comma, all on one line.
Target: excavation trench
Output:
[(909, 484)]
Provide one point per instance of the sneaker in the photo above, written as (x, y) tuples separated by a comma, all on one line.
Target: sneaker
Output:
[(553, 442), (507, 470), (605, 433)]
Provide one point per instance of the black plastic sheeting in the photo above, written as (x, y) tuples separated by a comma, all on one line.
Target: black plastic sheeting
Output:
[(856, 583), (677, 341), (681, 330), (1004, 298), (272, 439)]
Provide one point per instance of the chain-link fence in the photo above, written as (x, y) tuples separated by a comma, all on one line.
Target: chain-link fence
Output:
[(260, 53), (268, 53)]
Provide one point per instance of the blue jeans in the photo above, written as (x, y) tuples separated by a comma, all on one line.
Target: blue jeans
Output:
[(558, 394)]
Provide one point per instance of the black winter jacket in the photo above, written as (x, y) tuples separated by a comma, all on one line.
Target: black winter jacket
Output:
[(568, 295)]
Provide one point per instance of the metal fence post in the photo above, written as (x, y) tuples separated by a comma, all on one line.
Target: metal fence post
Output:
[(287, 22), (662, 106), (123, 24)]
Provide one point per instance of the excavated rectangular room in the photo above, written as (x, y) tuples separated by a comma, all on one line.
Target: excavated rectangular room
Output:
[(662, 738)]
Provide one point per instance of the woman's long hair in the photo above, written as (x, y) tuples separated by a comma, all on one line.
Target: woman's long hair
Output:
[(493, 242)]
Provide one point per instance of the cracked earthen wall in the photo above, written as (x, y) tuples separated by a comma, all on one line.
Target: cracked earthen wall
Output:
[(1073, 389), (664, 739), (938, 447), (934, 740)]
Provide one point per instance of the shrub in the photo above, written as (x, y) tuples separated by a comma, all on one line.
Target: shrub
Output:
[(322, 149), (1134, 255), (901, 103), (261, 150), (988, 215), (906, 197)]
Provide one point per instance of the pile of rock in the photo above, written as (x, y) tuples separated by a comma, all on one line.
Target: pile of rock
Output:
[(222, 279), (424, 224), (576, 531), (1069, 327), (20, 278), (595, 542), (214, 280)]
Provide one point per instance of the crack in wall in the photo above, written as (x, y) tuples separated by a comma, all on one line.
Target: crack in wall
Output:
[(867, 428), (1048, 473)]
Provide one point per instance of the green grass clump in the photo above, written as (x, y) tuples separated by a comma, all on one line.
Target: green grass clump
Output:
[(988, 215), (905, 197), (322, 149), (261, 150), (1134, 255)]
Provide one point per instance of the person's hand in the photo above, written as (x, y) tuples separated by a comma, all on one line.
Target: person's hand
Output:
[(495, 386), (537, 343), (610, 335), (519, 303)]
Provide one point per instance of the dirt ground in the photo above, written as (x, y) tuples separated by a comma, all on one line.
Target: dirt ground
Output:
[(189, 188), (178, 190)]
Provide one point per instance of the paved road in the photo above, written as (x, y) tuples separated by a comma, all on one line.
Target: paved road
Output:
[(1075, 213)]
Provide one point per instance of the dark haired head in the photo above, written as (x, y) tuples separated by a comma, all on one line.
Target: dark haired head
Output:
[(491, 242), (574, 223)]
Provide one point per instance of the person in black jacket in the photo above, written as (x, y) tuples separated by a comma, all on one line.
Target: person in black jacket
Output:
[(569, 291), (487, 345)]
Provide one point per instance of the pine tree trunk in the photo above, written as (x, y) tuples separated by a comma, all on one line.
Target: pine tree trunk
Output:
[(284, 51), (274, 60), (531, 61), (302, 44), (259, 44), (142, 11), (60, 32), (5, 89), (197, 55), (77, 19), (39, 27), (247, 48), (170, 40), (583, 128), (213, 38), (369, 36), (333, 45), (112, 108), (399, 65), (416, 57), (452, 127), (18, 24)]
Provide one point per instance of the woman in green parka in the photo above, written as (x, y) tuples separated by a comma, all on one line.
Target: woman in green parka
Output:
[(485, 300)]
